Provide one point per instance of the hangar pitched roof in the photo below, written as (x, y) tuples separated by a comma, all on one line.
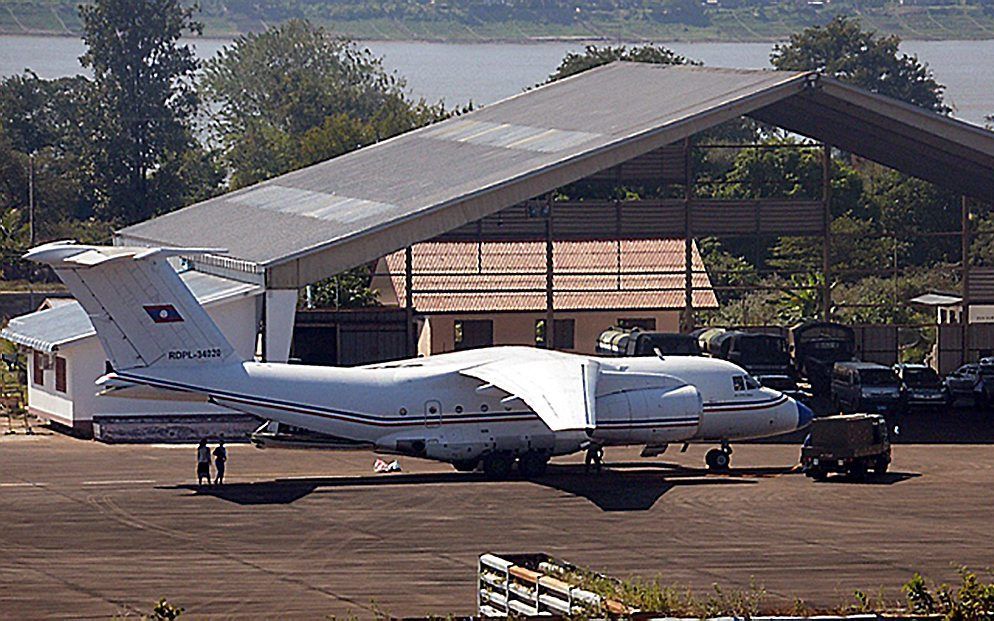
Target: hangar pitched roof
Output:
[(314, 222)]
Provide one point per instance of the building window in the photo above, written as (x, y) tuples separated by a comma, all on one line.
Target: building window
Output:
[(473, 333), (642, 323), (563, 333), (38, 368), (60, 374)]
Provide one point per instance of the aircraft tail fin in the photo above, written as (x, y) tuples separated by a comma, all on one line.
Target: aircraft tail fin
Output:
[(143, 313)]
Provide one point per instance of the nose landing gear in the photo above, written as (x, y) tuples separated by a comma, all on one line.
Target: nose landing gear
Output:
[(718, 459)]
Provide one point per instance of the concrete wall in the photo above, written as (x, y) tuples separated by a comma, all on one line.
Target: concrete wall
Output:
[(438, 333), (86, 360)]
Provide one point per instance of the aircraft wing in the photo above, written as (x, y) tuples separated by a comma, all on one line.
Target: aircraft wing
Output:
[(560, 388)]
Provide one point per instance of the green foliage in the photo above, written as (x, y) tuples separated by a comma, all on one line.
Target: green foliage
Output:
[(792, 172), (144, 101), (801, 299), (295, 95), (982, 240), (164, 611), (350, 289), (594, 56), (973, 600), (842, 49), (725, 269)]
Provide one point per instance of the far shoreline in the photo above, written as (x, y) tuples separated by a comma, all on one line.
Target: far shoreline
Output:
[(223, 36)]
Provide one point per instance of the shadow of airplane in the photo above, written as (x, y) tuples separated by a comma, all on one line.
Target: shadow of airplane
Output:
[(619, 487)]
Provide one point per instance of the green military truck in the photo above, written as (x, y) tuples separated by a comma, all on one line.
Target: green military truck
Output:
[(851, 444)]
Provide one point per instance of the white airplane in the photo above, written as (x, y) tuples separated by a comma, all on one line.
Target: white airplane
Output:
[(491, 407)]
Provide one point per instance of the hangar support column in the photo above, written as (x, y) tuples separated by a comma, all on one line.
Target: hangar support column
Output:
[(965, 279), (826, 244), (687, 317), (550, 326), (412, 336)]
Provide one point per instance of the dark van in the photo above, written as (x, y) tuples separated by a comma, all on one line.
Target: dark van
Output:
[(866, 387)]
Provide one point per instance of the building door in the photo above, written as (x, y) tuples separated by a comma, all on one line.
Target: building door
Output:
[(473, 333)]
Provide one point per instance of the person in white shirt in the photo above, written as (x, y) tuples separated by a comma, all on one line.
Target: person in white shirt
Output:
[(203, 463)]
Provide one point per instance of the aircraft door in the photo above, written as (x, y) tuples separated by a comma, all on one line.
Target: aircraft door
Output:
[(433, 413)]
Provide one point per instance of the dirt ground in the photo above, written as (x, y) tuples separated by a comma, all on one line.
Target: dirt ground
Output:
[(91, 530)]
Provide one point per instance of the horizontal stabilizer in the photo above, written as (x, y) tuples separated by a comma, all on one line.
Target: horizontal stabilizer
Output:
[(143, 313)]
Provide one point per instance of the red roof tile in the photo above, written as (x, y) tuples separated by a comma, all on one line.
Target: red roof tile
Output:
[(510, 276)]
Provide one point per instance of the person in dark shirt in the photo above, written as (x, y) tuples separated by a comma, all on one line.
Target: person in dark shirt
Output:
[(220, 457), (595, 453), (203, 463)]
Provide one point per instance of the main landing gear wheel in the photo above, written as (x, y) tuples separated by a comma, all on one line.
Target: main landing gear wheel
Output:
[(718, 459), (466, 465), (532, 464), (497, 465)]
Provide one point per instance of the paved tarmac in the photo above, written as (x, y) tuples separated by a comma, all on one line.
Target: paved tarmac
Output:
[(91, 530)]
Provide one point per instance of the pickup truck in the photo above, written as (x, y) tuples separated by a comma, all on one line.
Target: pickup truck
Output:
[(850, 444)]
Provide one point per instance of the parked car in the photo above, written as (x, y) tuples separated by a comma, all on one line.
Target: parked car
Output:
[(961, 382), (983, 390), (850, 444), (922, 386), (866, 387)]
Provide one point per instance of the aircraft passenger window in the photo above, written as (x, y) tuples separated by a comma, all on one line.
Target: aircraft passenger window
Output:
[(738, 383), (752, 383)]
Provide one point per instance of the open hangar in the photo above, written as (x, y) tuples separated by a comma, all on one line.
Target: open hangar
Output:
[(488, 178)]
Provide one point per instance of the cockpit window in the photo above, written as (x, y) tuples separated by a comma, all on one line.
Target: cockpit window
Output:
[(745, 382)]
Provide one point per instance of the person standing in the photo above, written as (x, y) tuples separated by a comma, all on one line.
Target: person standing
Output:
[(595, 453), (203, 463), (220, 457)]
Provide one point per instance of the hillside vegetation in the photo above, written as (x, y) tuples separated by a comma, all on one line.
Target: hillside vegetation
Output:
[(527, 20)]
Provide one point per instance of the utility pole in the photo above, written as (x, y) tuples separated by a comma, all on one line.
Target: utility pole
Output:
[(31, 225), (31, 200)]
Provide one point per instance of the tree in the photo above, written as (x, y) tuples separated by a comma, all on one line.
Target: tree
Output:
[(594, 56), (295, 95), (843, 50), (145, 97)]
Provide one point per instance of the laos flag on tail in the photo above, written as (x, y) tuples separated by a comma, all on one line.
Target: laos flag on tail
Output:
[(163, 313)]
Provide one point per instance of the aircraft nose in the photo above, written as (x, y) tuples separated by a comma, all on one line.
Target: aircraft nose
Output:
[(804, 415)]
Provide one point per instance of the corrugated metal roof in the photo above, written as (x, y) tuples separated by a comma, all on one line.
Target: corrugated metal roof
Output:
[(497, 152), (510, 276), (937, 299), (47, 330), (311, 223)]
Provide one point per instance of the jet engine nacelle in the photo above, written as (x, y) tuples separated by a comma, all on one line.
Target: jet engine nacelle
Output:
[(649, 415)]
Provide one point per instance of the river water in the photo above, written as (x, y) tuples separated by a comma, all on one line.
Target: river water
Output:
[(486, 72)]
